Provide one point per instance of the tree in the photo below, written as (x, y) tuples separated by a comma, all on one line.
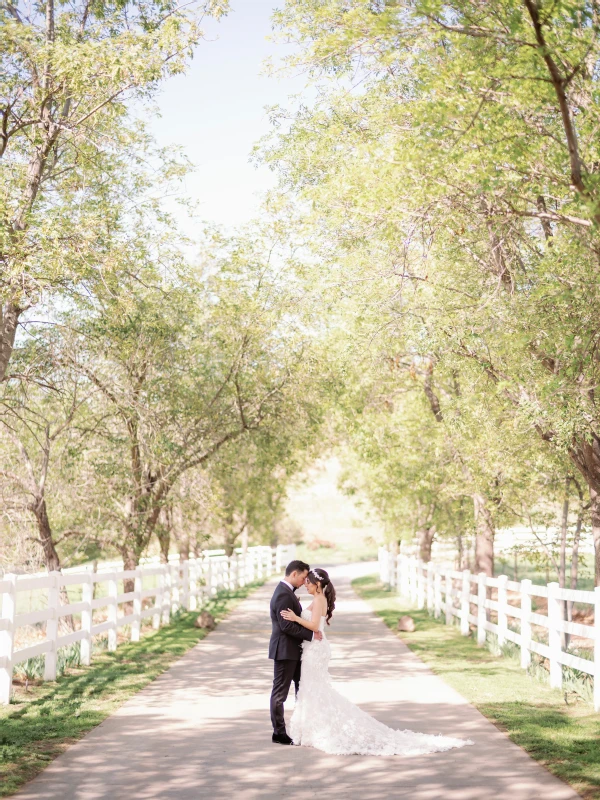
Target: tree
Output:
[(36, 420), (251, 476), (459, 156), (184, 363), (70, 71)]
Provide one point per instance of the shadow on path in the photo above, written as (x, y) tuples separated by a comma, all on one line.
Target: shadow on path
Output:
[(202, 730)]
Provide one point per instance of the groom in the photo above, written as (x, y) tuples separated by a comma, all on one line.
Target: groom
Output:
[(284, 647)]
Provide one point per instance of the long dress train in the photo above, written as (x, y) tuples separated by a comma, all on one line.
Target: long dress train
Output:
[(326, 720)]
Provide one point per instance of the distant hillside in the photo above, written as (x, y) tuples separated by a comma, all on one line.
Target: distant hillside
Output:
[(326, 516)]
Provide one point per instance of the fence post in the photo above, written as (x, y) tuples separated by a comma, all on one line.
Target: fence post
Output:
[(554, 640), (269, 557), (236, 571), (420, 585), (278, 559), (241, 569), (597, 648), (429, 587), (502, 604), (437, 594), (525, 623), (185, 589), (413, 580), (137, 605), (112, 612), (209, 576), (87, 594), (449, 602), (403, 582), (52, 628), (7, 615), (481, 609), (193, 576), (175, 587), (393, 571), (203, 580), (465, 602), (166, 596), (158, 600), (381, 559)]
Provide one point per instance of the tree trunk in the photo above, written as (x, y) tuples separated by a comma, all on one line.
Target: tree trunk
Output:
[(184, 548), (484, 542), (230, 544), (66, 624), (562, 561), (574, 565), (131, 560), (9, 320), (51, 556), (197, 546), (595, 512), (459, 551), (564, 526), (163, 530), (180, 533), (575, 551), (586, 457), (163, 534), (425, 537), (164, 541)]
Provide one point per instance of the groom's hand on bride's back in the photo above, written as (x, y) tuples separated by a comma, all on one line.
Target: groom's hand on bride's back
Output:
[(318, 636)]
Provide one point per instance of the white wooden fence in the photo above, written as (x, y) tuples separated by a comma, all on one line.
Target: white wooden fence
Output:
[(468, 597), (163, 588)]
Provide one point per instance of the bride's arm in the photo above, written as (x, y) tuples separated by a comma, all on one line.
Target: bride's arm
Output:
[(312, 624)]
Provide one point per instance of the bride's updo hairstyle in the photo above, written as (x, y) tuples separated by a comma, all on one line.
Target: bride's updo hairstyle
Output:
[(319, 576)]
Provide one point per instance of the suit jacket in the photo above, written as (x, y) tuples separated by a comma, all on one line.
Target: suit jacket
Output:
[(286, 636)]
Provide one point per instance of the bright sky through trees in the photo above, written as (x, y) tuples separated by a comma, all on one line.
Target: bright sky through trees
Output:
[(216, 111)]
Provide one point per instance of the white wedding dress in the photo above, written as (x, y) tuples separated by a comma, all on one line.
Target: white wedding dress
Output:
[(325, 719)]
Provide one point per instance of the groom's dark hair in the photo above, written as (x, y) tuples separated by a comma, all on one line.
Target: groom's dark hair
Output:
[(296, 566)]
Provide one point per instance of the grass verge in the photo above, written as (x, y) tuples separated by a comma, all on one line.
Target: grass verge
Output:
[(563, 736), (42, 723)]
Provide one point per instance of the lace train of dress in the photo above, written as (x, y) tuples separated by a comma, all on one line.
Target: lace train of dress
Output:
[(326, 720)]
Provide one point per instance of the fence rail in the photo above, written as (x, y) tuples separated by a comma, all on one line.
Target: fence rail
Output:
[(178, 584), (475, 600)]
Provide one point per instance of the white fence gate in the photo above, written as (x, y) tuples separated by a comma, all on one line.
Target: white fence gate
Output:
[(162, 588), (468, 597)]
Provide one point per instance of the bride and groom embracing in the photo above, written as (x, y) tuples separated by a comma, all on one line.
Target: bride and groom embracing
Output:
[(322, 717)]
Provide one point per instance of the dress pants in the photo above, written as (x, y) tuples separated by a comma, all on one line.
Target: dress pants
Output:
[(286, 671)]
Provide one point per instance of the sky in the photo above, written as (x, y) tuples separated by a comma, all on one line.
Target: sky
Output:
[(216, 112)]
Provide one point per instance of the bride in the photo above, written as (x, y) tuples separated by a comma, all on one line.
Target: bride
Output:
[(325, 719)]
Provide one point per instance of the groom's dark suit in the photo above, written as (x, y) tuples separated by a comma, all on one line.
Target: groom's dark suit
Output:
[(285, 650)]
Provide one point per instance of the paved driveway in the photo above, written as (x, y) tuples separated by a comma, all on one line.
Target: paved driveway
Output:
[(202, 729)]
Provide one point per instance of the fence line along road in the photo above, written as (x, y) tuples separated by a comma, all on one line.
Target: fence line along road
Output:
[(468, 597), (179, 584)]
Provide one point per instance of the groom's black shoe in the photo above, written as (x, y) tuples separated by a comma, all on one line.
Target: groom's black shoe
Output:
[(281, 738)]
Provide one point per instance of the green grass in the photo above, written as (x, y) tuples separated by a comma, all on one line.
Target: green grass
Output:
[(42, 723), (562, 733)]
